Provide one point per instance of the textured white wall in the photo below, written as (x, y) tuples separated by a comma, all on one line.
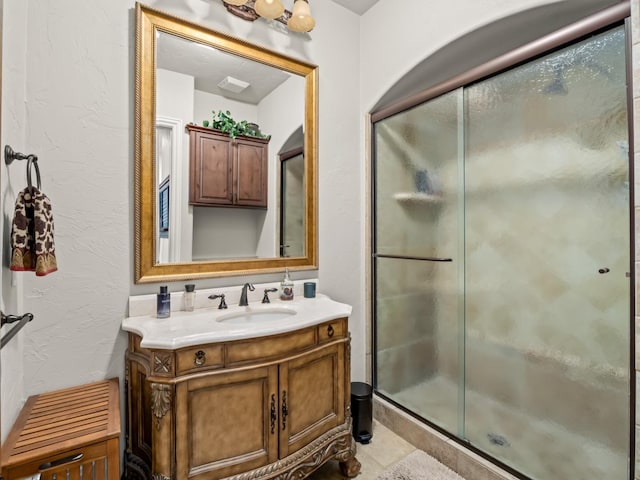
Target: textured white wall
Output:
[(79, 122)]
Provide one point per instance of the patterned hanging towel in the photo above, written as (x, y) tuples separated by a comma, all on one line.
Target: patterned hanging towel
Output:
[(32, 247)]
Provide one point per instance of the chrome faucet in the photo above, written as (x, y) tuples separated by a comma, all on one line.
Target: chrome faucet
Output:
[(243, 296)]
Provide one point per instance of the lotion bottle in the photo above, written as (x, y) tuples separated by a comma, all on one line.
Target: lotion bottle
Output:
[(286, 287), (164, 303)]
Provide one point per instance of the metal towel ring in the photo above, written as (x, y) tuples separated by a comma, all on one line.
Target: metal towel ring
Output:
[(32, 161)]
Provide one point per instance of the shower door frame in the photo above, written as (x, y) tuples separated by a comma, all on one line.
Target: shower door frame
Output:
[(618, 15)]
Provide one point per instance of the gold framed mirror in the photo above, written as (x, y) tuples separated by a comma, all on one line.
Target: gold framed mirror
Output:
[(177, 235)]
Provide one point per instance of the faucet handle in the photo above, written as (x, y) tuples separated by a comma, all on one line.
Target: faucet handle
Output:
[(223, 304), (265, 299)]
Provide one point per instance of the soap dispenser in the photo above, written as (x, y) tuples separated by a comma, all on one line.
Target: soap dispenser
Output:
[(286, 287)]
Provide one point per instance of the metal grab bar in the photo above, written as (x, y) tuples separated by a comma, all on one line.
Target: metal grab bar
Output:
[(7, 319)]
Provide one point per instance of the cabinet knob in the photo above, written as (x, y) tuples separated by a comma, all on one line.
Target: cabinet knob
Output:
[(200, 358), (330, 331)]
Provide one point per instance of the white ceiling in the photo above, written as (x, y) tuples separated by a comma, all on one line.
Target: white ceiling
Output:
[(357, 6), (209, 66)]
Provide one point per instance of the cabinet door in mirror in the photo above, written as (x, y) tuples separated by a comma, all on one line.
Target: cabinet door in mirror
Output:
[(248, 105)]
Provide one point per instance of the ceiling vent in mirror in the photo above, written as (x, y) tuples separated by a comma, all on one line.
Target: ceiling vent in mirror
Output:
[(233, 84)]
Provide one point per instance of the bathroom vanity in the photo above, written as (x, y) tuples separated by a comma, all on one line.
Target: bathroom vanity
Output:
[(245, 393)]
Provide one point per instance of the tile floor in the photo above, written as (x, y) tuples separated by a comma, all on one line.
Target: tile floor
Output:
[(385, 449)]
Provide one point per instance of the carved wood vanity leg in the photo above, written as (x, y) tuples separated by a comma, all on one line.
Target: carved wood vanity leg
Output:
[(350, 468), (161, 399), (349, 464)]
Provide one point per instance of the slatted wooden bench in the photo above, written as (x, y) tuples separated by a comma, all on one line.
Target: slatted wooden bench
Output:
[(67, 434)]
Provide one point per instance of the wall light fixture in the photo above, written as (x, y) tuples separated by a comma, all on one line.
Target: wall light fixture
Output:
[(298, 20)]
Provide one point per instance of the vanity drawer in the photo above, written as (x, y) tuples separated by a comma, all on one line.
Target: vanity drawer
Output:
[(270, 347), (332, 330), (203, 357)]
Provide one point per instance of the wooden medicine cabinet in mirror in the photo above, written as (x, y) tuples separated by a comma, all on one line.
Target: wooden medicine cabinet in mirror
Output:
[(192, 79)]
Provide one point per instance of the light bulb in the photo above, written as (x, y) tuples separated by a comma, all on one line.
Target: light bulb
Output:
[(236, 2), (301, 19), (269, 8)]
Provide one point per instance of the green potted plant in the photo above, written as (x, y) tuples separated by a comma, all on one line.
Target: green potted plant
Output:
[(223, 121)]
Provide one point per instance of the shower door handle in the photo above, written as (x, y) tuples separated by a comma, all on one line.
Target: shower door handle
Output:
[(411, 257)]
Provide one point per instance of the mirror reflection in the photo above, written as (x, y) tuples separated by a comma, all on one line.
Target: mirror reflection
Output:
[(198, 171), (226, 147)]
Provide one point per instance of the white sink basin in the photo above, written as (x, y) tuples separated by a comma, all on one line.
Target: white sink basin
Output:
[(258, 316)]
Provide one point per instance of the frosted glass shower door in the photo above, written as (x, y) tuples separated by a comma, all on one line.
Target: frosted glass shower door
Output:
[(417, 259), (292, 206), (547, 264)]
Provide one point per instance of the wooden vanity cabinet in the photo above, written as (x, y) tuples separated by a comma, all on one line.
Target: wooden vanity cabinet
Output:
[(241, 410), (225, 171)]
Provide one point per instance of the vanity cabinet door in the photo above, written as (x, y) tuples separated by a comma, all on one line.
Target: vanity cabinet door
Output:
[(250, 179), (211, 166), (312, 389), (226, 423)]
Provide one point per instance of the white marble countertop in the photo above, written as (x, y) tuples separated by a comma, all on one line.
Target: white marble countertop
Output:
[(206, 325)]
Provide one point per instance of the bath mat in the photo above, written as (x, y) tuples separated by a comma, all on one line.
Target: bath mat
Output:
[(419, 466)]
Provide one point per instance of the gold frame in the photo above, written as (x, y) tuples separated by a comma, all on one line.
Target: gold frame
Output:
[(148, 21)]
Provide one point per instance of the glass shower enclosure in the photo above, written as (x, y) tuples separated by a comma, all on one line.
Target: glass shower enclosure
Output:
[(501, 263)]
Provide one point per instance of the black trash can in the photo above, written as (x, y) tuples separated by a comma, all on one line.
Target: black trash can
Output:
[(362, 411)]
